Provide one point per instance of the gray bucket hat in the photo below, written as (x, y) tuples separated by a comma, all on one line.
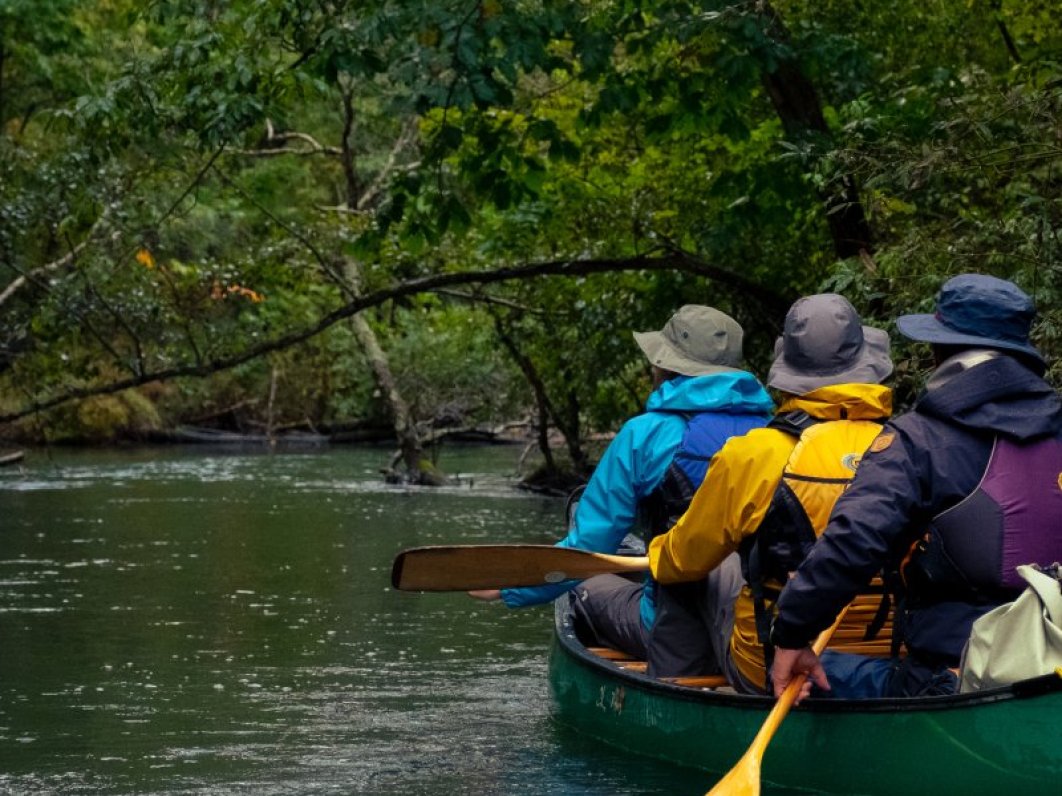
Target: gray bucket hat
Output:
[(696, 341), (978, 311), (824, 342)]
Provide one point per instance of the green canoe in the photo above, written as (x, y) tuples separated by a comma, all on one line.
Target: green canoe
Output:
[(1007, 740)]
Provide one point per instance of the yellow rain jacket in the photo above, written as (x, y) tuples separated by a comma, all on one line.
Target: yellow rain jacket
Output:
[(731, 503)]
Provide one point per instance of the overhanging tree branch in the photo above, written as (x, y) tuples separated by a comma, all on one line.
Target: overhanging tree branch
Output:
[(65, 261), (770, 301)]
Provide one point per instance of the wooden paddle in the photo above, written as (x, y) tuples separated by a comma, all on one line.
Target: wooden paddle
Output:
[(744, 778), (497, 566)]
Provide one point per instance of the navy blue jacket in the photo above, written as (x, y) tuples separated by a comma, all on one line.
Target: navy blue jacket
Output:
[(935, 457)]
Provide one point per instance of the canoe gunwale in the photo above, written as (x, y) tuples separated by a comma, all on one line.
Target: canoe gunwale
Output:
[(568, 644)]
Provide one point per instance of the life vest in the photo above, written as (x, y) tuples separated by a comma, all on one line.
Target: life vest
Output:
[(1013, 517), (706, 433), (819, 469)]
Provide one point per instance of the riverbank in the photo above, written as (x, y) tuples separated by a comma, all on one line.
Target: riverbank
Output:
[(530, 473), (515, 433)]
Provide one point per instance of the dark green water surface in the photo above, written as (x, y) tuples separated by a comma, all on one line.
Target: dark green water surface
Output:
[(188, 621)]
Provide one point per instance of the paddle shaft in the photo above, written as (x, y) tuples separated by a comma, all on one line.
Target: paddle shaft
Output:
[(744, 777), (498, 566)]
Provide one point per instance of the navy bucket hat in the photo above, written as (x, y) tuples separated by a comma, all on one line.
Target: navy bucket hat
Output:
[(977, 311)]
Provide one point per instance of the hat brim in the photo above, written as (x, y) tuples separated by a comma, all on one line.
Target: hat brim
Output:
[(927, 329), (872, 367), (661, 353)]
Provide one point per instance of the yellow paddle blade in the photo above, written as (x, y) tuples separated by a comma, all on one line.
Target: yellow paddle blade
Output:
[(742, 780)]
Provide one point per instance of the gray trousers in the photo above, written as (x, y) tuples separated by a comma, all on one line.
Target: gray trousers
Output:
[(691, 634), (607, 611)]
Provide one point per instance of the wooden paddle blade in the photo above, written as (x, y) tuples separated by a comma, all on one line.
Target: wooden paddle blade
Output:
[(471, 567)]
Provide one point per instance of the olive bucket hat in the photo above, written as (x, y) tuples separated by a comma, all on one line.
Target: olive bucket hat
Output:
[(824, 342), (976, 310), (696, 341)]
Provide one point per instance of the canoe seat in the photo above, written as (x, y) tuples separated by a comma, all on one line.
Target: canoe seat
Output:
[(610, 654), (860, 616), (848, 640), (713, 681), (628, 662)]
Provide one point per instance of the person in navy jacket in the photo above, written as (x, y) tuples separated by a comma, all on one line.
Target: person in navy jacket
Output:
[(952, 496)]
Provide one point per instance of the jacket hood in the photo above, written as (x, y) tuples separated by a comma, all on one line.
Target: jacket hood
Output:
[(1000, 396), (843, 402), (736, 393)]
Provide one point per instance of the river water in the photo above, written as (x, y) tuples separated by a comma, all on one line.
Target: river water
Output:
[(178, 621)]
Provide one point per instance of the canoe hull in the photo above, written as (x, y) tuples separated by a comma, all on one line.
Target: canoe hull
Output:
[(994, 743)]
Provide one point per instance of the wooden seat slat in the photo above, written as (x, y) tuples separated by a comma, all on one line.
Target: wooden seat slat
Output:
[(701, 681), (610, 654)]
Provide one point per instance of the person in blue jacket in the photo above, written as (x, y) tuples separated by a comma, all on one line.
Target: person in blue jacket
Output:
[(952, 495), (652, 467)]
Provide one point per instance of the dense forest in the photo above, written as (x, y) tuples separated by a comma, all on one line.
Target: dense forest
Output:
[(326, 216)]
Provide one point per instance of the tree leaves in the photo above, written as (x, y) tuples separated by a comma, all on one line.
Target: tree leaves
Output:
[(261, 143)]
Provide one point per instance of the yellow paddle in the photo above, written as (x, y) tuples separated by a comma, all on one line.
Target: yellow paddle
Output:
[(744, 778)]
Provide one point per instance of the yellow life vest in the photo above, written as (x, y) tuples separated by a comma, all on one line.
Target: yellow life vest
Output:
[(819, 469)]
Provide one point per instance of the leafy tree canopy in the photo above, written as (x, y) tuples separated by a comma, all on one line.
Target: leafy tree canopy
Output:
[(210, 191)]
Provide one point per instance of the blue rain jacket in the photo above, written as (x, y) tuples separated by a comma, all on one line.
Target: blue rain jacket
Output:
[(634, 464)]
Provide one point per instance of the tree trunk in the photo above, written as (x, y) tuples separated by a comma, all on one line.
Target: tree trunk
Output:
[(798, 107), (416, 469), (538, 387), (1001, 25), (570, 429), (350, 169), (566, 421), (3, 60), (410, 448)]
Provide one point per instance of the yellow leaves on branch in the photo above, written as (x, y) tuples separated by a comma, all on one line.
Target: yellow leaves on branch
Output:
[(145, 258), (219, 292)]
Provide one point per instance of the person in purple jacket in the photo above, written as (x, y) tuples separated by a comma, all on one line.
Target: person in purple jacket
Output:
[(951, 497)]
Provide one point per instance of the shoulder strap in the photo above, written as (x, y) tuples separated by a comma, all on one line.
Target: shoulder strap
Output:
[(796, 422)]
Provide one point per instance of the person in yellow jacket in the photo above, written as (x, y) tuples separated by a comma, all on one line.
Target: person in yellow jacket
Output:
[(768, 494)]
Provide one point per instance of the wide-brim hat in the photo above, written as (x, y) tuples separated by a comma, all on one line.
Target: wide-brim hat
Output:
[(824, 343), (696, 341), (976, 310)]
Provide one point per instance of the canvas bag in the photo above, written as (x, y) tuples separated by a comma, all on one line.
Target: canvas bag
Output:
[(1018, 640)]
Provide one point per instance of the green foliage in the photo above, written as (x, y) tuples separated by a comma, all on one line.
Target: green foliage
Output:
[(182, 183), (102, 418), (449, 365)]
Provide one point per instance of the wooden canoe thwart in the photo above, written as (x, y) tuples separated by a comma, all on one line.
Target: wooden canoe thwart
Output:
[(1004, 740)]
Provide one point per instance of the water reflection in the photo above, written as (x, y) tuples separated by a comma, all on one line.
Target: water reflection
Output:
[(174, 621)]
